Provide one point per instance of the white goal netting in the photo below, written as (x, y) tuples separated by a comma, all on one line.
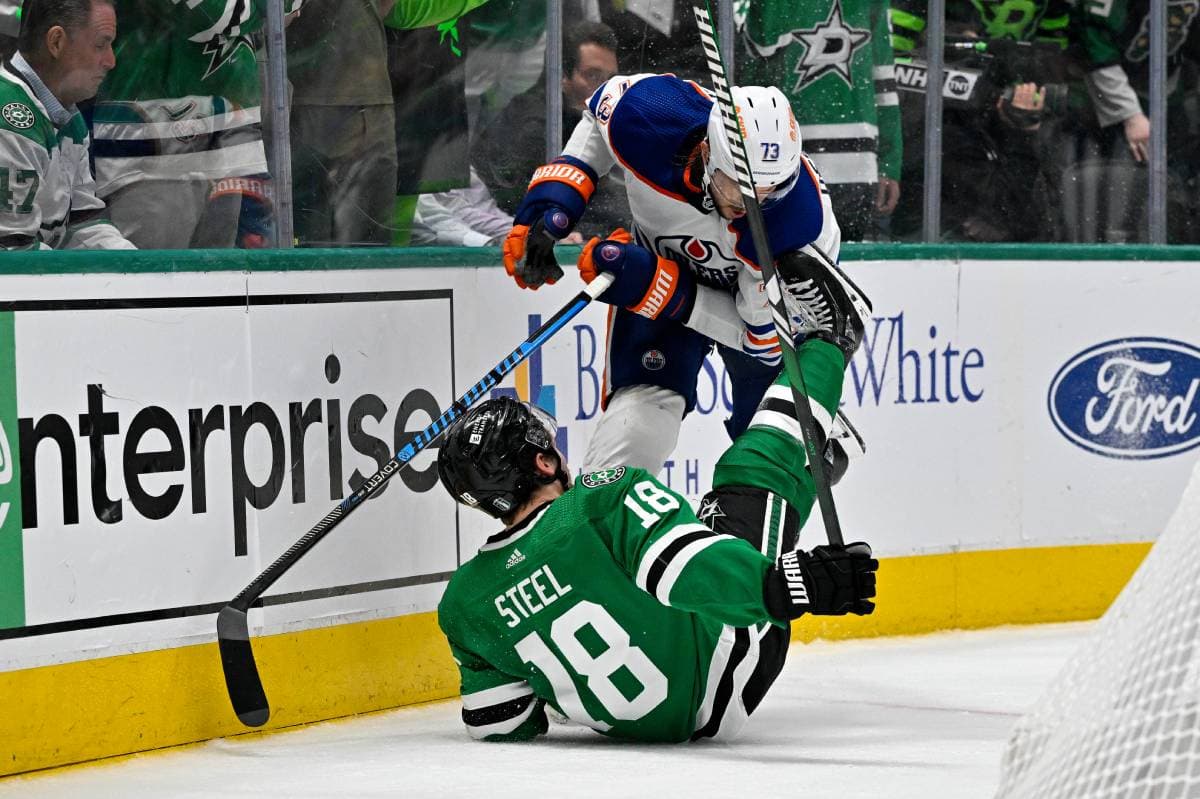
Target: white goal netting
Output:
[(1122, 719)]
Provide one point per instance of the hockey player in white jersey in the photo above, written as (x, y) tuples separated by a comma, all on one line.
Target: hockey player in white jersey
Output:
[(688, 275)]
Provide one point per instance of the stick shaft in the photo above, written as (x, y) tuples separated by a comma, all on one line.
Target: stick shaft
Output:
[(259, 585), (762, 246)]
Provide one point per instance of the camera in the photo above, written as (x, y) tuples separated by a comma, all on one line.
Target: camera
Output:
[(978, 72)]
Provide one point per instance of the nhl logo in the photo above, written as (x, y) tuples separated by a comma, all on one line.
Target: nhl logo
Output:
[(19, 115), (653, 360), (602, 478)]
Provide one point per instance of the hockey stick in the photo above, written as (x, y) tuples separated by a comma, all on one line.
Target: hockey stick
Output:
[(758, 233), (242, 680)]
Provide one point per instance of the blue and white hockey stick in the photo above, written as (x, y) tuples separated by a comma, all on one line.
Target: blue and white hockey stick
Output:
[(758, 233), (233, 630)]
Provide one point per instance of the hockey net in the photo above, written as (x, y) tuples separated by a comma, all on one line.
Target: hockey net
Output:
[(1122, 719)]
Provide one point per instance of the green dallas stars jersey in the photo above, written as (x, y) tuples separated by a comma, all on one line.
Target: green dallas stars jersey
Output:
[(616, 605), (184, 99), (553, 597), (1117, 32), (834, 62)]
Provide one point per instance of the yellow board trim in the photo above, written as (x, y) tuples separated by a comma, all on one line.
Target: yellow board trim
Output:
[(987, 588), (74, 712), (56, 715)]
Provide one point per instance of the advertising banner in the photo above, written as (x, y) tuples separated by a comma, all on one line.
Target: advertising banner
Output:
[(164, 437)]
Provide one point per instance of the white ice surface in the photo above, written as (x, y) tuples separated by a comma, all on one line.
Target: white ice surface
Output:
[(890, 718)]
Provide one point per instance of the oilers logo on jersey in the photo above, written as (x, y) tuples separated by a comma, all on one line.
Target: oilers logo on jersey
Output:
[(712, 265)]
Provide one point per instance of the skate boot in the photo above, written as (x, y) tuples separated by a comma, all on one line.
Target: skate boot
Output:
[(822, 301)]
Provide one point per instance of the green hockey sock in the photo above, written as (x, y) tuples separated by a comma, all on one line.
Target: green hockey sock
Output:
[(770, 453)]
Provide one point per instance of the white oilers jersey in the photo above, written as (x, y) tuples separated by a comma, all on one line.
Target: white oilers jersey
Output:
[(650, 124)]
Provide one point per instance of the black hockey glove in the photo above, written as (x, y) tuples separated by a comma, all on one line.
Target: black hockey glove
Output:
[(829, 581), (529, 251)]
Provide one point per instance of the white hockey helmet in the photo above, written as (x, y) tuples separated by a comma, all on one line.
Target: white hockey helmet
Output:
[(770, 131)]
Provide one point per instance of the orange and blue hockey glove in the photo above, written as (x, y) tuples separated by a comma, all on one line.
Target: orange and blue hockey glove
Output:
[(645, 284), (556, 198)]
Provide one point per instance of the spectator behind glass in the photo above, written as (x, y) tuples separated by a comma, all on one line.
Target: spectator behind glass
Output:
[(504, 53), (178, 127), (657, 36), (514, 145), (440, 198), (996, 182), (833, 61), (1106, 182), (65, 50), (343, 123), (426, 63)]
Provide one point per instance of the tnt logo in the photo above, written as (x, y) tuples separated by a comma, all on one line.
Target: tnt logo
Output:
[(528, 387)]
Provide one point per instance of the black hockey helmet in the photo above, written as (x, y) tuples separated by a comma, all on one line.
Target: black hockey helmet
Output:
[(487, 458)]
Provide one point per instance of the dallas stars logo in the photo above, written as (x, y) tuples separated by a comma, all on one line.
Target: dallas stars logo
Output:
[(602, 478), (221, 49), (710, 510), (829, 48)]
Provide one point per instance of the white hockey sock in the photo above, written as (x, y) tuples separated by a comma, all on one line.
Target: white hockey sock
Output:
[(639, 428)]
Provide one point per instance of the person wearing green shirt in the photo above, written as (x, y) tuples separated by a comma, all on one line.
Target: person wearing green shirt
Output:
[(833, 60)]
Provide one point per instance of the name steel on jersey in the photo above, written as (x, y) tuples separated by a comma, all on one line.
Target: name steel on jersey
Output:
[(546, 590)]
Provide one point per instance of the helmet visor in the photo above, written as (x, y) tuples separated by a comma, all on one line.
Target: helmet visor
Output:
[(547, 435)]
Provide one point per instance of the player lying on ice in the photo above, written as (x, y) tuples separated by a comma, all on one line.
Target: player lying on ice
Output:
[(688, 275), (610, 600)]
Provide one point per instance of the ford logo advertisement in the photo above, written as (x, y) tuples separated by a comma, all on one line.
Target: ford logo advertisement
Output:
[(1133, 398)]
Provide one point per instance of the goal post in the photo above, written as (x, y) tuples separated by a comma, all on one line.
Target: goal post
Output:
[(1122, 719)]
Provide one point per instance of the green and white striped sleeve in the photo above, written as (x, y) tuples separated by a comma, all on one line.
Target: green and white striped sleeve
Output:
[(496, 707), (655, 536)]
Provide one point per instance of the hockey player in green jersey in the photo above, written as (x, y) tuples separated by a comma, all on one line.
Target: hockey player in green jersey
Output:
[(833, 60), (611, 600)]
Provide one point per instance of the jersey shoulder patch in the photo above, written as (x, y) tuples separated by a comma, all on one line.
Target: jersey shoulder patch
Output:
[(21, 115), (602, 478)]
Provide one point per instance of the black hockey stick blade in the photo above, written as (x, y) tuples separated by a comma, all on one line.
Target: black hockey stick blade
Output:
[(241, 672)]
